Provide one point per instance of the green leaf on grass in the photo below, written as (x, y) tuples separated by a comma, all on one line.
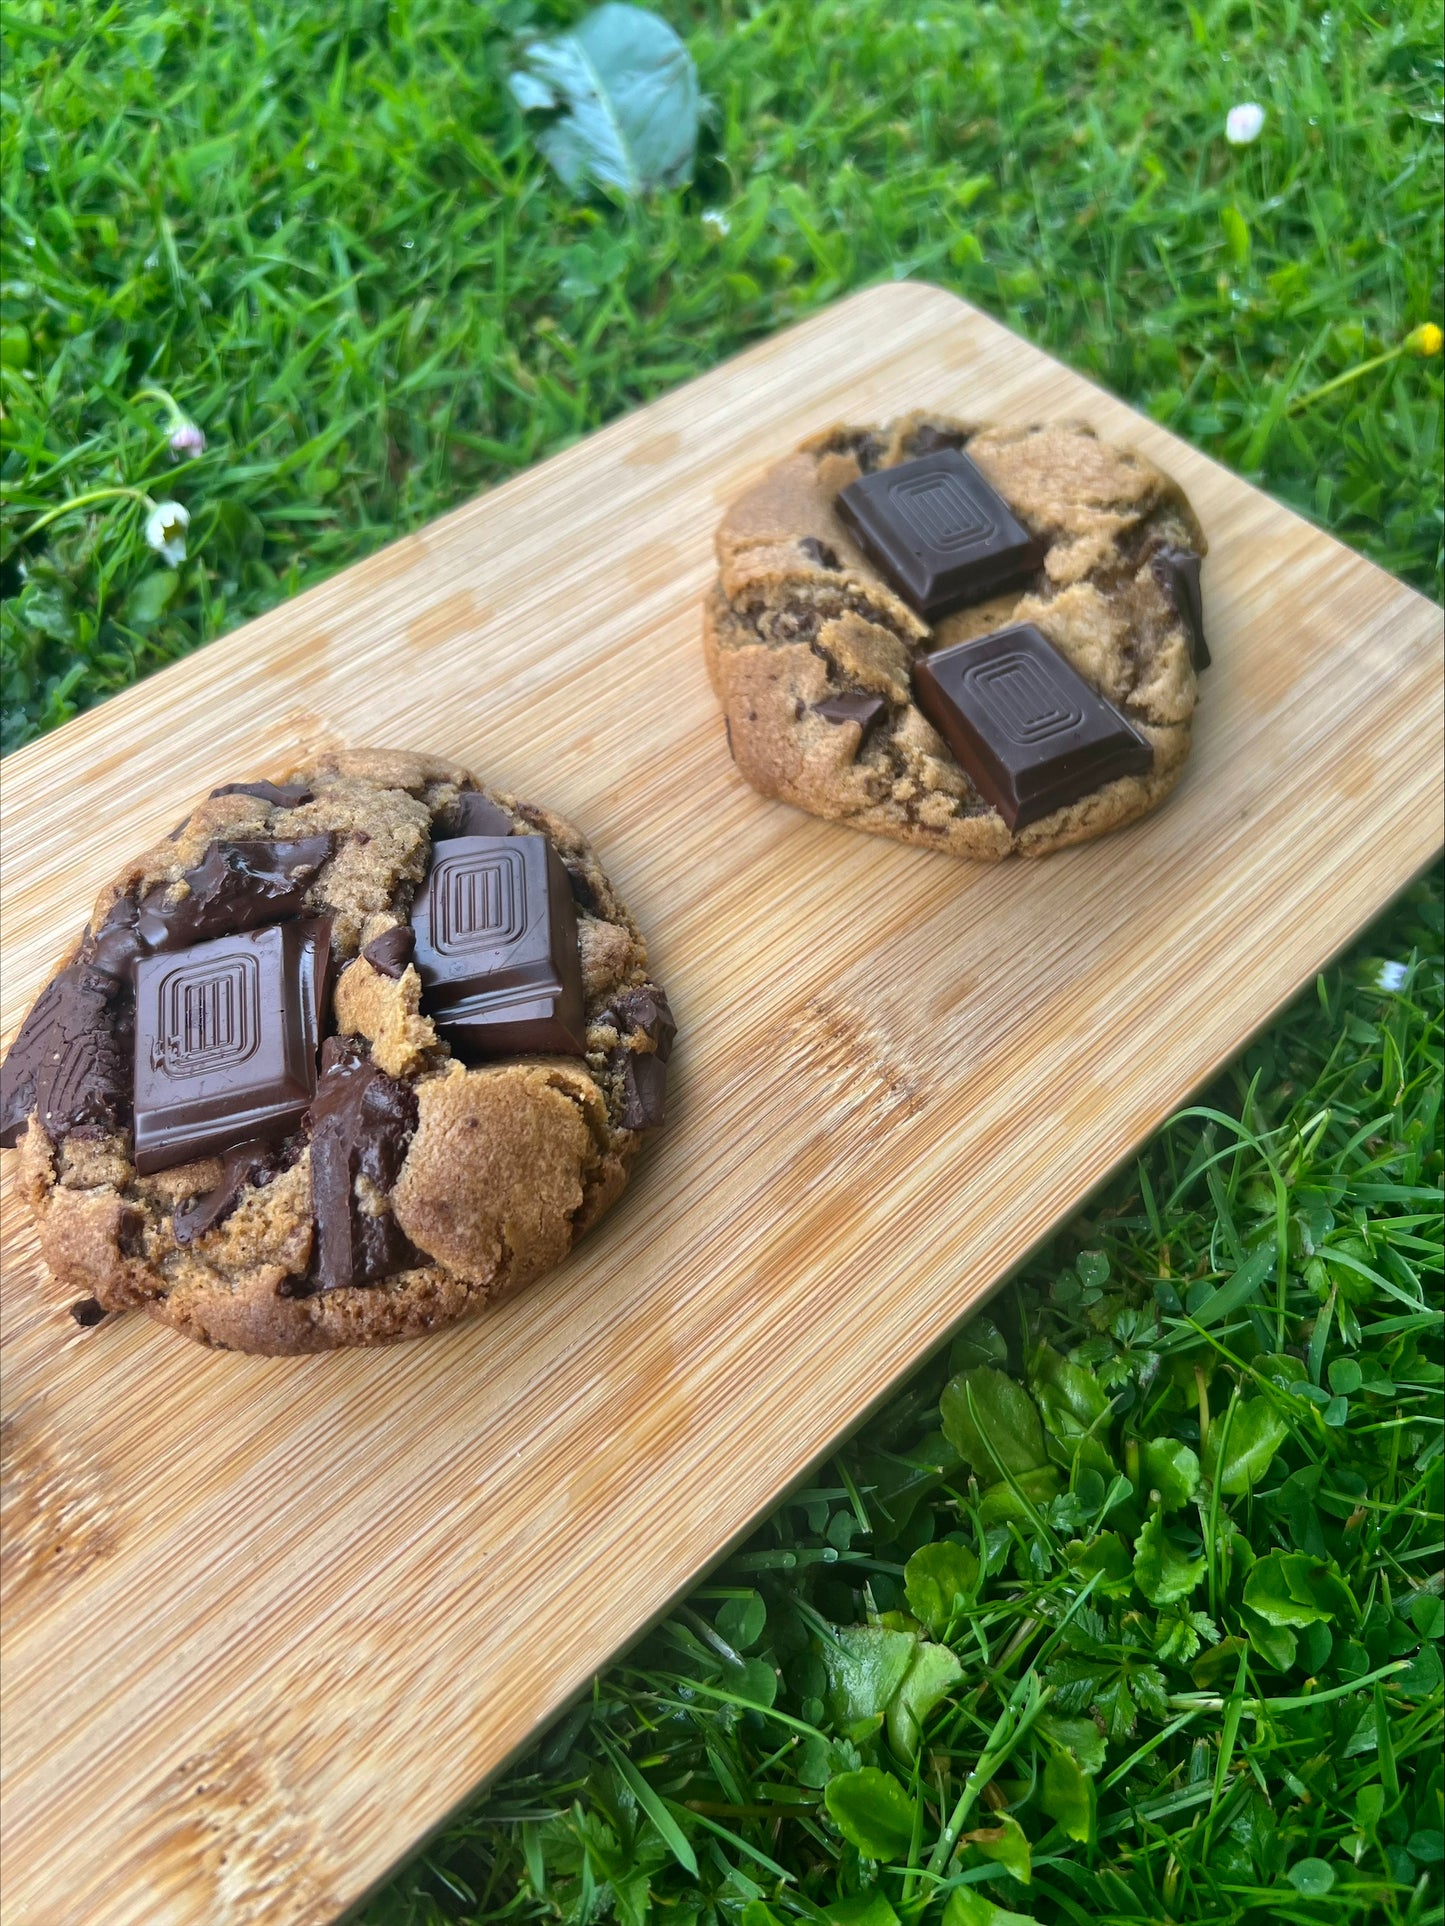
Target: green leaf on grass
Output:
[(623, 92), (1254, 1434), (1108, 1556), (1171, 1469), (928, 1681), (938, 1581), (968, 1907), (1311, 1878), (861, 1909), (1072, 1400), (1020, 1501), (1236, 233), (1006, 1844), (1080, 1738), (1068, 1794), (1162, 1572), (151, 597), (993, 1422), (865, 1666), (741, 1621), (872, 1811), (1287, 1588)]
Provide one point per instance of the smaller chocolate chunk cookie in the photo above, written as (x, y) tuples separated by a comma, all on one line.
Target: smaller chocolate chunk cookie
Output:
[(984, 640)]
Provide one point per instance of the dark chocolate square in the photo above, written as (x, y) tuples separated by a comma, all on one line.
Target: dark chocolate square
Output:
[(1024, 724), (939, 532), (496, 948), (226, 1039)]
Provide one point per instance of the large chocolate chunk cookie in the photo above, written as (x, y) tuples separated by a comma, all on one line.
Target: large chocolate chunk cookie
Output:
[(838, 576), (346, 1056)]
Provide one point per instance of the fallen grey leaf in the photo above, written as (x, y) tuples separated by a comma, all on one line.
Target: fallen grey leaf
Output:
[(623, 90)]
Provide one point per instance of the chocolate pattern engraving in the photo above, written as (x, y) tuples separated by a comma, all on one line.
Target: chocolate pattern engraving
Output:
[(1026, 727), (1024, 706), (226, 1041), (496, 948), (938, 531)]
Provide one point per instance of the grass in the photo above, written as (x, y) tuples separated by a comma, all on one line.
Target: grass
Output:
[(1126, 1609), (323, 228), (1129, 1608)]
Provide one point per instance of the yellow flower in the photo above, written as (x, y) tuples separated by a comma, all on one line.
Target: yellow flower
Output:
[(1426, 339)]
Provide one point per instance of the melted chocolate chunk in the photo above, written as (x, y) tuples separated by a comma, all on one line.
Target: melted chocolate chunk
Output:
[(361, 1124), (115, 946), (392, 950), (254, 1162), (237, 886), (70, 1064), (1176, 570), (87, 1311), (583, 894), (471, 815), (646, 1009), (854, 705), (285, 795), (644, 1088), (819, 552), (932, 441)]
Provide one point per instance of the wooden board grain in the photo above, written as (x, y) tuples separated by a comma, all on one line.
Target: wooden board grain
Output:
[(266, 1621)]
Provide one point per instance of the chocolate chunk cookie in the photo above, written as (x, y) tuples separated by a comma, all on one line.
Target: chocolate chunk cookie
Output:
[(349, 1054), (1079, 562)]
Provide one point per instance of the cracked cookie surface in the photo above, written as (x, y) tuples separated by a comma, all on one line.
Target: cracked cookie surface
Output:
[(811, 651), (417, 1186)]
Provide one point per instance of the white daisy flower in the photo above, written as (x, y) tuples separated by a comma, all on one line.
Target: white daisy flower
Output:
[(166, 527), (187, 441), (1244, 123), (1392, 976)]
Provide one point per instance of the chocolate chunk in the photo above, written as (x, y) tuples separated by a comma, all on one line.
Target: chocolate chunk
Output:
[(235, 887), (285, 795), (819, 552), (1027, 728), (471, 815), (115, 946), (852, 706), (361, 1123), (646, 1009), (87, 1311), (496, 946), (70, 1062), (928, 440), (254, 1162), (583, 894), (644, 1087), (226, 1036), (938, 531), (391, 951), (1176, 570)]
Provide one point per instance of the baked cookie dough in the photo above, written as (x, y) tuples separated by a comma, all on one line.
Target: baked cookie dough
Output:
[(352, 1126), (812, 651)]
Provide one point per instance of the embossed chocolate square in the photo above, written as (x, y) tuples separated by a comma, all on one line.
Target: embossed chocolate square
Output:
[(226, 1034), (496, 948), (1025, 725), (938, 531)]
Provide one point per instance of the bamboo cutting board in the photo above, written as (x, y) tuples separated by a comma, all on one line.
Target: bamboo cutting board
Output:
[(267, 1621)]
